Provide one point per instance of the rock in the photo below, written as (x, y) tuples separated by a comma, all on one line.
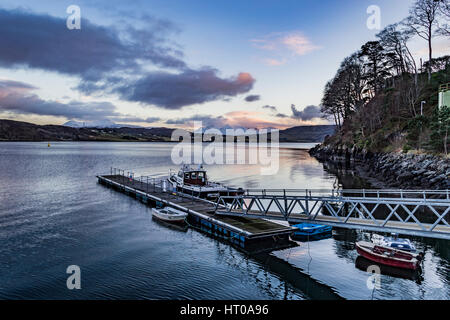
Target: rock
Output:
[(438, 178), (419, 172), (396, 170)]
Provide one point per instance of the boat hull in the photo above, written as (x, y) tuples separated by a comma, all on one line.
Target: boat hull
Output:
[(364, 264), (210, 195), (311, 232), (177, 219), (368, 252)]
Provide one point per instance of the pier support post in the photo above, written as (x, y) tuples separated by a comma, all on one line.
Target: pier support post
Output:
[(307, 203)]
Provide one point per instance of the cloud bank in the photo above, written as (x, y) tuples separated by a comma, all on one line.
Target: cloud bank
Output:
[(252, 98), (174, 91), (114, 60), (308, 113), (17, 98)]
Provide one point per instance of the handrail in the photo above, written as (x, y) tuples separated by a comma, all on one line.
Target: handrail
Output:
[(354, 193), (444, 87)]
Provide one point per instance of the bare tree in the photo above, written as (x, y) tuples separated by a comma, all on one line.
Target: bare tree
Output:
[(444, 10), (423, 21)]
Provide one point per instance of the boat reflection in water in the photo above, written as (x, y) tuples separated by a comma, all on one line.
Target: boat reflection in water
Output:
[(416, 275), (174, 226), (346, 235)]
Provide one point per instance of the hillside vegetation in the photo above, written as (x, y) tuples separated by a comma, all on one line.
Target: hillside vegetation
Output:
[(388, 124), (383, 100)]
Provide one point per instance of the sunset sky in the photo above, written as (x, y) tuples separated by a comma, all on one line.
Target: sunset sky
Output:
[(166, 63)]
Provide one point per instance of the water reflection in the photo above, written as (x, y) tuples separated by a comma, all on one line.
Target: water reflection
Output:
[(67, 218)]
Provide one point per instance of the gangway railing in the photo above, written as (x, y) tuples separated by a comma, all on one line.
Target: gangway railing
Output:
[(413, 212)]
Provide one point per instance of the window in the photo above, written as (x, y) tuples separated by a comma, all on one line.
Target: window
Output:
[(186, 175), (201, 175), (194, 175)]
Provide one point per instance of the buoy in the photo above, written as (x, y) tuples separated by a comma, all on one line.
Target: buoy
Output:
[(48, 145)]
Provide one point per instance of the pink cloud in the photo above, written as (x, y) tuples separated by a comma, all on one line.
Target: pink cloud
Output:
[(274, 62), (284, 45), (298, 44)]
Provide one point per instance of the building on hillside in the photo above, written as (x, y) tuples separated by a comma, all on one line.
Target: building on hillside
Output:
[(444, 95)]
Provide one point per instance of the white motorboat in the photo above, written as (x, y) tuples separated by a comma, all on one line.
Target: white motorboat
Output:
[(168, 214), (195, 182)]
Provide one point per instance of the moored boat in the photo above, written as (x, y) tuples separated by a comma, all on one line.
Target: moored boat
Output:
[(195, 182), (394, 242), (310, 231), (168, 214), (388, 256)]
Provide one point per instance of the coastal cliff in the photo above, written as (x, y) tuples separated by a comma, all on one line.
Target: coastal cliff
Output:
[(396, 170)]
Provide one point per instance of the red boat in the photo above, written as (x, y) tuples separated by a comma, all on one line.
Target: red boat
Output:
[(388, 256)]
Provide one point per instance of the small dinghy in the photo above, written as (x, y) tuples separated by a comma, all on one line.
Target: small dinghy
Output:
[(394, 242), (388, 256), (310, 231), (168, 214)]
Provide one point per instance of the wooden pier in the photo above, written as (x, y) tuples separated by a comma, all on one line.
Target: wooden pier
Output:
[(249, 234)]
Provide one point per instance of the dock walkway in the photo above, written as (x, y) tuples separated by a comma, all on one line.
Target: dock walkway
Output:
[(202, 212)]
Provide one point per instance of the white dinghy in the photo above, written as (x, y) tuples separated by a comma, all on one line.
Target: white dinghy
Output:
[(169, 214)]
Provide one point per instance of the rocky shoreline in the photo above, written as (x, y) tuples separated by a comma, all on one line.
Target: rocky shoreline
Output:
[(391, 170)]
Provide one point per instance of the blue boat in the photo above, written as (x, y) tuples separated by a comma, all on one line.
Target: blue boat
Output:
[(310, 231), (394, 242)]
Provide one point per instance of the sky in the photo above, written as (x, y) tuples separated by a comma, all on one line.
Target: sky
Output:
[(167, 63)]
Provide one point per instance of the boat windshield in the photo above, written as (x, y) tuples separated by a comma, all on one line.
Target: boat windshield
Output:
[(195, 178)]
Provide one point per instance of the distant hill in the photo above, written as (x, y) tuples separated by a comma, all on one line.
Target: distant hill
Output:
[(23, 131), (97, 124), (307, 133)]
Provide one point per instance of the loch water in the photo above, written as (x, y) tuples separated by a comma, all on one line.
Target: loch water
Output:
[(54, 213)]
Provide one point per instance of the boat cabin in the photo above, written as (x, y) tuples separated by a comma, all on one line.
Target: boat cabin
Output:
[(193, 177)]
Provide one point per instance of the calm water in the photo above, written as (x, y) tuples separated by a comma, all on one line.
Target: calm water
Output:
[(53, 214)]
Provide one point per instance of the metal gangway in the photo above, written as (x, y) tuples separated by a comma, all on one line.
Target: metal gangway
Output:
[(413, 212)]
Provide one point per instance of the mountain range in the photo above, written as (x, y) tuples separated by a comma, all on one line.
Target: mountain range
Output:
[(11, 130)]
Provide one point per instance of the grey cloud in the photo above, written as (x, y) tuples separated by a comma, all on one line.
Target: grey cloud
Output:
[(174, 91), (136, 119), (272, 108), (308, 113), (109, 60), (15, 97), (252, 98), (12, 85), (281, 115), (207, 121), (42, 41)]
